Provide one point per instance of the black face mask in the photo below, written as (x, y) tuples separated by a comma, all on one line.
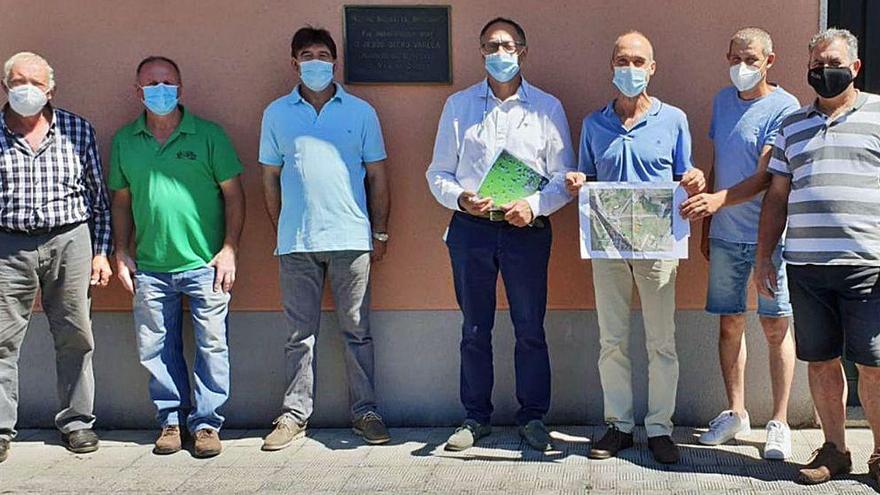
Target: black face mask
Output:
[(829, 81)]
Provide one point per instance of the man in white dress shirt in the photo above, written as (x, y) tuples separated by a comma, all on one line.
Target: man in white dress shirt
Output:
[(501, 113)]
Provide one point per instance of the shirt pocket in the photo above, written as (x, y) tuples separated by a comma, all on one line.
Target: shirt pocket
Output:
[(475, 148), (70, 176), (350, 143)]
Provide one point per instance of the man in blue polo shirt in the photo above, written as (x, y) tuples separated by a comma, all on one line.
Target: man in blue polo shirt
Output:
[(636, 138), (317, 146)]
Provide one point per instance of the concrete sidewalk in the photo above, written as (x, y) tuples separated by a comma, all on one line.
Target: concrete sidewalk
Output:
[(336, 461)]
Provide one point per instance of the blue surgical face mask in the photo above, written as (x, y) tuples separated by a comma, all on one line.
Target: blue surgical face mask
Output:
[(631, 81), (502, 66), (316, 74), (161, 99)]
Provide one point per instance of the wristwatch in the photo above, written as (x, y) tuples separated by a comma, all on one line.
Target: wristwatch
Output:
[(380, 236)]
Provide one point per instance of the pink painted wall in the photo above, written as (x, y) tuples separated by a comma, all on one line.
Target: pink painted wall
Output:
[(234, 56)]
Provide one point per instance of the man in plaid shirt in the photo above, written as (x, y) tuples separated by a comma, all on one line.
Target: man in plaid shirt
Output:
[(54, 236)]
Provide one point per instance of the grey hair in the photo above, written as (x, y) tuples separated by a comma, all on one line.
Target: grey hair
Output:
[(831, 34), (751, 34), (27, 57)]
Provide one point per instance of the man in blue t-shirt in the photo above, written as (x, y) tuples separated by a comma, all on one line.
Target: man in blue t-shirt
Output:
[(745, 120)]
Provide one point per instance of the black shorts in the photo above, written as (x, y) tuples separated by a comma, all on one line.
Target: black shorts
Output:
[(836, 307)]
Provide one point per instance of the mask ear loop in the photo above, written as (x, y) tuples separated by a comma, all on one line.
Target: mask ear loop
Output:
[(486, 101), (485, 107)]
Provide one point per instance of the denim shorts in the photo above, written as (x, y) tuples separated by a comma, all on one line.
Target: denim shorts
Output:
[(730, 264), (838, 308)]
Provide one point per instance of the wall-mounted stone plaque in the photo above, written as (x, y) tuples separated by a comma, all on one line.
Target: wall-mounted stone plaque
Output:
[(399, 44)]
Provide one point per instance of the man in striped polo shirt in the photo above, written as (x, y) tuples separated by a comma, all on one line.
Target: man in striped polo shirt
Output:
[(826, 183)]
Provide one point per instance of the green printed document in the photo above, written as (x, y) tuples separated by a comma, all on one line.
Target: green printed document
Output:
[(509, 179)]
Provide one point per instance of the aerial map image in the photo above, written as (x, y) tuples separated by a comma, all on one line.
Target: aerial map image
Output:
[(631, 220)]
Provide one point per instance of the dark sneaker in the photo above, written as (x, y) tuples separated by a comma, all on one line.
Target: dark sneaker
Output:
[(611, 443), (827, 462), (80, 441), (873, 468), (286, 431), (371, 428), (466, 435), (536, 435), (169, 441), (664, 449), (4, 449), (207, 443)]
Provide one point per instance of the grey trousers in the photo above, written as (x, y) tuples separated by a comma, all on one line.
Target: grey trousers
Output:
[(302, 285), (59, 265)]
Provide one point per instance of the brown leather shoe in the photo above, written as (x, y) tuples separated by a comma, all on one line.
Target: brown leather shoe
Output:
[(874, 469), (611, 443), (664, 449), (827, 462), (371, 427), (169, 441), (4, 449), (207, 443), (81, 441)]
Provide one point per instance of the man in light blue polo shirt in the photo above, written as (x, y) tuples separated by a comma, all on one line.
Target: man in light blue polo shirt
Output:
[(317, 145), (745, 121), (636, 138)]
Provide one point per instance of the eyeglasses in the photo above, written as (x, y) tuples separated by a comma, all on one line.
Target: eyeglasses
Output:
[(491, 47)]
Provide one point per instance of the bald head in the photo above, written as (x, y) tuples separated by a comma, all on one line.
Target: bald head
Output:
[(633, 43)]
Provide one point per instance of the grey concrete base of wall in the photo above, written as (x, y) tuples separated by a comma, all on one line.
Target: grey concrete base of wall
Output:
[(416, 371)]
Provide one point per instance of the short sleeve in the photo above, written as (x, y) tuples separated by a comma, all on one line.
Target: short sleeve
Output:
[(778, 161), (773, 126), (224, 159), (116, 179), (270, 153), (373, 146), (586, 160)]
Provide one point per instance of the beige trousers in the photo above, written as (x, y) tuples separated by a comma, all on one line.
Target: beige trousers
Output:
[(655, 280)]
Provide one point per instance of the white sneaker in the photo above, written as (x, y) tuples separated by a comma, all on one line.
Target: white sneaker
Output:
[(778, 447), (724, 428)]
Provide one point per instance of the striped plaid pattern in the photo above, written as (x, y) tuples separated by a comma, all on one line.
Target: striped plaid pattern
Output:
[(834, 167), (59, 184)]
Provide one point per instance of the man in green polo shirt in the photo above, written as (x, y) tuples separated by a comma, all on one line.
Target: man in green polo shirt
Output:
[(176, 185)]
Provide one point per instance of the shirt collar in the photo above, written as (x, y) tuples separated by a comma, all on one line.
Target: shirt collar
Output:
[(653, 110), (860, 100), (8, 131), (295, 97), (187, 123), (522, 93)]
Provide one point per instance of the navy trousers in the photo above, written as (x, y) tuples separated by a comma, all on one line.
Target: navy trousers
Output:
[(479, 248)]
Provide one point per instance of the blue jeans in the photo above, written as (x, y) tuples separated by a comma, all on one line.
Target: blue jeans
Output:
[(158, 321), (730, 264), (479, 249)]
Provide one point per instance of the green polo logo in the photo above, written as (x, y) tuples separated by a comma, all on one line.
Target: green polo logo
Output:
[(186, 155)]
